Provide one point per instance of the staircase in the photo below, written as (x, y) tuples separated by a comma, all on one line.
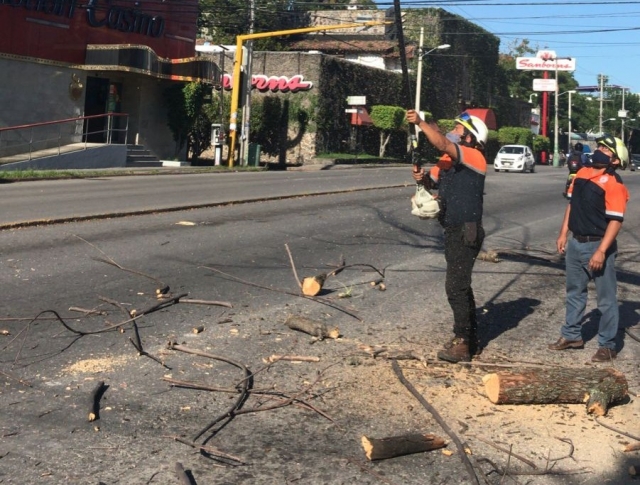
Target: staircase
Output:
[(139, 156)]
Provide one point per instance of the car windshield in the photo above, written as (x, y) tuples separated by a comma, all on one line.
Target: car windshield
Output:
[(512, 150)]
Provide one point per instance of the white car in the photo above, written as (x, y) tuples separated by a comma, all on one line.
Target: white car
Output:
[(515, 158)]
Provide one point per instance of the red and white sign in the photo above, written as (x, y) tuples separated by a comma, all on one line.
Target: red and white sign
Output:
[(546, 55), (538, 64), (544, 85), (263, 83)]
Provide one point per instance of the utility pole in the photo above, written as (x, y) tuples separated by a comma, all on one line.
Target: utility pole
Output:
[(419, 79), (624, 115), (246, 111), (601, 82), (235, 88)]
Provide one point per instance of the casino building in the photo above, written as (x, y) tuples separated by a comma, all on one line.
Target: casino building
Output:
[(65, 59)]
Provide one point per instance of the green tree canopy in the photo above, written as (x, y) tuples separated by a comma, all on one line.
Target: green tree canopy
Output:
[(223, 20)]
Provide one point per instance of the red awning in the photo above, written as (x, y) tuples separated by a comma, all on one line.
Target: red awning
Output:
[(361, 118), (485, 114)]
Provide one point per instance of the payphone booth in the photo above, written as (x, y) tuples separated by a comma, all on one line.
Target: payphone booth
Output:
[(217, 142)]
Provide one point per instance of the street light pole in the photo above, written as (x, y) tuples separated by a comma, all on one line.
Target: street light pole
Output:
[(569, 135), (419, 80), (556, 154), (421, 56), (624, 115)]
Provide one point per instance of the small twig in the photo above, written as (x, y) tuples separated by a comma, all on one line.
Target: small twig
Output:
[(94, 401), (24, 383), (547, 471), (497, 447), (151, 309), (571, 450), (207, 449), (277, 394), (144, 353), (632, 335), (506, 468), (339, 267), (632, 447), (440, 421), (234, 409), (363, 468), (112, 262), (206, 302), (345, 266), (87, 311), (293, 266), (617, 430), (138, 342), (293, 358), (312, 298)]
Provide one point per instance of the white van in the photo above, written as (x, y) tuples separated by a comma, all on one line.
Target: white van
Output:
[(515, 158)]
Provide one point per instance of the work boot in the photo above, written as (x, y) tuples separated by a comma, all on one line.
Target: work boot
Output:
[(562, 344), (457, 350), (604, 354)]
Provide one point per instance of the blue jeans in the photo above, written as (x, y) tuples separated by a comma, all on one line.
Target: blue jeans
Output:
[(578, 276)]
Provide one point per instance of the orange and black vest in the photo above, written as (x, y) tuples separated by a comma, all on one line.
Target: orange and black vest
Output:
[(596, 197), (460, 186)]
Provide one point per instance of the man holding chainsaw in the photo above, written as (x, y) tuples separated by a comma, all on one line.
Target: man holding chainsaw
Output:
[(459, 177)]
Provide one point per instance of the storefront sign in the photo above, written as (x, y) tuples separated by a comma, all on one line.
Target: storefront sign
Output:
[(538, 64), (127, 20), (62, 8), (264, 83)]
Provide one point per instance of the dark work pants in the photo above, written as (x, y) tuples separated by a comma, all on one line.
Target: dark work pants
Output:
[(460, 254)]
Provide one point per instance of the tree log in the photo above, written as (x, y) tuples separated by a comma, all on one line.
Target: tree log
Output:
[(599, 388), (312, 285), (632, 447), (383, 448), (306, 325)]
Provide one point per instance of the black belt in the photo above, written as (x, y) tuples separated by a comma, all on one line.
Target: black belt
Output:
[(584, 239)]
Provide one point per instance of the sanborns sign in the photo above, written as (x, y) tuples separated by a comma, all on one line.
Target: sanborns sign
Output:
[(283, 84), (537, 64)]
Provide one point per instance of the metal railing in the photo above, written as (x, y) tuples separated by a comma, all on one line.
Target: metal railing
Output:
[(61, 136)]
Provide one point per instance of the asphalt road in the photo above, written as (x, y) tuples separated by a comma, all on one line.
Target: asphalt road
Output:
[(77, 199), (236, 253)]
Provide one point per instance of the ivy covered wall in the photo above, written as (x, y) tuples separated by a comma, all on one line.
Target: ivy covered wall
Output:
[(463, 76), (340, 79)]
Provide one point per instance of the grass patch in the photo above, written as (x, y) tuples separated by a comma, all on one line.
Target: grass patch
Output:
[(24, 175), (347, 156)]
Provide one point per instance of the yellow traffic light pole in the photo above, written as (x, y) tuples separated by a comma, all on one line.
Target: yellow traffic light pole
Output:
[(237, 62)]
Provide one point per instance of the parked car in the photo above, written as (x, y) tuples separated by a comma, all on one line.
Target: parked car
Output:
[(634, 162), (515, 158)]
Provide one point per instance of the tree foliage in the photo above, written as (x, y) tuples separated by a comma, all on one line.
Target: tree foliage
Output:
[(387, 119), (223, 20), (187, 118)]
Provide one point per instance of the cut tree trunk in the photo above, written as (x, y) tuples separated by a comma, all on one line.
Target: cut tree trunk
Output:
[(599, 388), (383, 448), (312, 285), (306, 325)]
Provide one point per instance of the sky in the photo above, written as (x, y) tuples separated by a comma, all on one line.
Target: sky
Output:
[(602, 36)]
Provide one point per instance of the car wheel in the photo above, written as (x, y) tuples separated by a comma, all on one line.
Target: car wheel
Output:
[(496, 170), (533, 168)]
